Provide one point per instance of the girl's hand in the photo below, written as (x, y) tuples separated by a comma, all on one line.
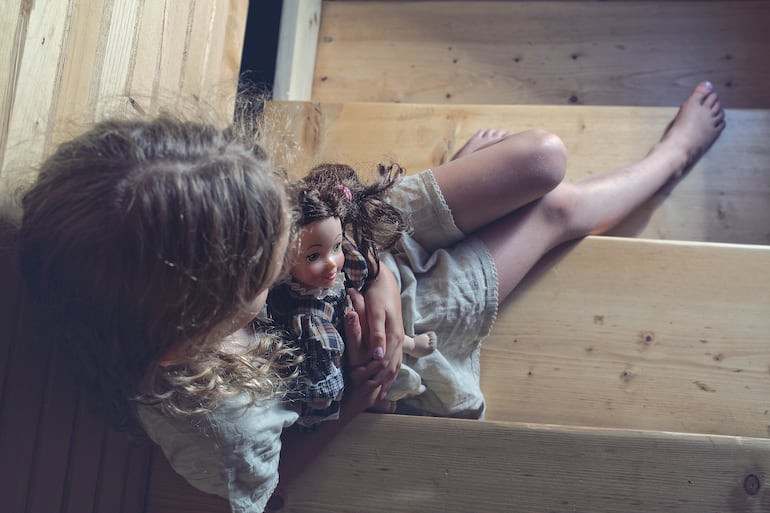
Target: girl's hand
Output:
[(361, 390), (365, 381), (382, 307)]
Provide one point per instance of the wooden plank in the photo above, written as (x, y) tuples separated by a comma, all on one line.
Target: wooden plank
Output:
[(297, 43), (85, 38), (723, 199), (387, 463), (168, 492), (10, 297), (534, 52), (87, 446), (52, 449), (36, 83), (136, 478), (626, 333), (223, 58), (12, 33), (23, 399)]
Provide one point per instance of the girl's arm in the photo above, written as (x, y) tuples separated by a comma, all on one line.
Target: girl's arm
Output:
[(385, 324)]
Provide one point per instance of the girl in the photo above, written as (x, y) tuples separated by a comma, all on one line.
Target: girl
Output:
[(341, 220), (155, 243)]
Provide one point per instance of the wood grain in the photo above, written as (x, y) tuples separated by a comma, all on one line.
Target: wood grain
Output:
[(534, 52), (385, 463), (627, 333)]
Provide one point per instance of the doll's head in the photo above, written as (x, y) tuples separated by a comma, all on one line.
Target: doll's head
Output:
[(366, 218), (319, 259)]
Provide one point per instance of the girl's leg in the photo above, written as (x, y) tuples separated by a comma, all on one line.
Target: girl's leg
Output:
[(496, 180), (517, 240)]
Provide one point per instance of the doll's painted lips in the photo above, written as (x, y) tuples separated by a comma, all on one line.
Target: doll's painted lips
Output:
[(330, 277)]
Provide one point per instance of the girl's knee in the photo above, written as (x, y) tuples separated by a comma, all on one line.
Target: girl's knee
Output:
[(558, 209), (546, 156)]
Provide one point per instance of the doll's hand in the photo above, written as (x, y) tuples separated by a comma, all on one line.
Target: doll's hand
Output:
[(385, 324)]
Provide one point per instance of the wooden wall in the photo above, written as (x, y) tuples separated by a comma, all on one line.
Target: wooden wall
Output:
[(63, 64)]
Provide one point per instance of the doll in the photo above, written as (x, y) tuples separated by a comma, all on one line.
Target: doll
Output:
[(344, 223)]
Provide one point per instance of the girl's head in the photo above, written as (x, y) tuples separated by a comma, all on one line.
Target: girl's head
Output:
[(335, 191), (144, 235)]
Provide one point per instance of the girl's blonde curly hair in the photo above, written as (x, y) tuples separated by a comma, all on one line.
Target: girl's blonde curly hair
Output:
[(147, 235)]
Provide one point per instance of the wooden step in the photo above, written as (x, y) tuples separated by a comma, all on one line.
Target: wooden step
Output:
[(638, 334), (532, 52), (391, 463), (725, 198)]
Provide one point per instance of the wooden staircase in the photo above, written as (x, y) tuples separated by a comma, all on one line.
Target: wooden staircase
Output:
[(628, 372)]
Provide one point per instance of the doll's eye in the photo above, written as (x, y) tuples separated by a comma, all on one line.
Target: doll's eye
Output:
[(313, 257), (337, 247)]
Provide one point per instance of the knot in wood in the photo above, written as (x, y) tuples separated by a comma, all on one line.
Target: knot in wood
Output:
[(751, 484)]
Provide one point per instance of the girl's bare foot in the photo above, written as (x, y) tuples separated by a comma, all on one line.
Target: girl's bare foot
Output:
[(423, 344), (481, 139), (695, 127)]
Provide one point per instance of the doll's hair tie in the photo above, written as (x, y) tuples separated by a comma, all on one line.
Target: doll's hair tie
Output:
[(345, 192)]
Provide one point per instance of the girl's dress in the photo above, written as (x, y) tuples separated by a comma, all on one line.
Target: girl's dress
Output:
[(448, 284)]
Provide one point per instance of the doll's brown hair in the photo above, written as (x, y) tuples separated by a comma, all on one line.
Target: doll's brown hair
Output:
[(335, 190)]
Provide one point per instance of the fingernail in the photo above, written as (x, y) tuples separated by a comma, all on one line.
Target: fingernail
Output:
[(709, 85), (379, 353)]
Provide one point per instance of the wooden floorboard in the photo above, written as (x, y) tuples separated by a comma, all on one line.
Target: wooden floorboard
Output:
[(386, 463), (643, 53), (637, 334), (426, 464)]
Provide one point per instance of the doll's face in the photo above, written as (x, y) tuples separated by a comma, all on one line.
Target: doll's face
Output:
[(320, 256)]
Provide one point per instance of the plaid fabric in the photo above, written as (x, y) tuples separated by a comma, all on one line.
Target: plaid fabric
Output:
[(316, 324), (355, 267)]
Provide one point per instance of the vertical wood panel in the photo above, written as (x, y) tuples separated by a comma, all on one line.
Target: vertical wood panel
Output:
[(119, 33), (21, 407), (77, 75), (52, 447), (63, 65), (12, 28), (37, 82)]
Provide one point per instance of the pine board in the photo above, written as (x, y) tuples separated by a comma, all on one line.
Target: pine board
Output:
[(646, 53), (627, 333), (387, 463)]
